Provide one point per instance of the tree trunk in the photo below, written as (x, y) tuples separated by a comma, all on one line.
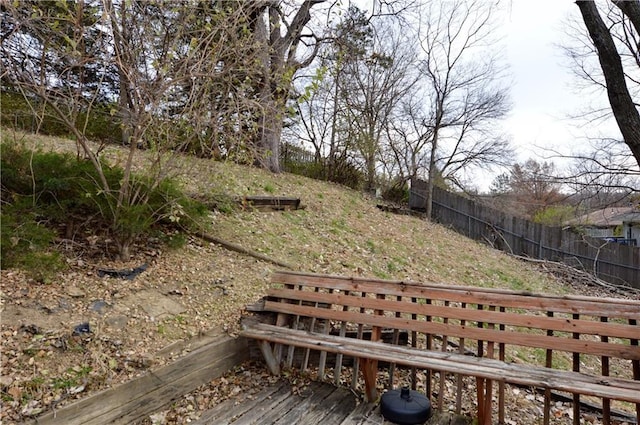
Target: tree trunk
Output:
[(279, 65), (632, 10), (624, 110), (271, 135), (432, 175), (270, 121)]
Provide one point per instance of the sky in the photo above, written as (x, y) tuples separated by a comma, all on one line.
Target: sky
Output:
[(545, 91)]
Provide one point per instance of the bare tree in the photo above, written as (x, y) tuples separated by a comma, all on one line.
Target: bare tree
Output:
[(279, 29), (528, 187), (166, 70), (618, 49), (365, 71), (406, 153), (461, 75), (372, 90), (603, 175), (320, 104)]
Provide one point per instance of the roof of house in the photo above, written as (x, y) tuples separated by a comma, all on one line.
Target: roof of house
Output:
[(608, 217)]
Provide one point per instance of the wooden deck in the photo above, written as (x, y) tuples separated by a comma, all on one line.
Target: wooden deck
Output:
[(319, 403)]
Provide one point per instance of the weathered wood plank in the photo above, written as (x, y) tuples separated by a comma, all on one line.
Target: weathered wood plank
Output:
[(278, 405), (337, 409), (360, 414), (621, 389), (609, 307), (274, 405), (135, 399), (227, 411), (560, 324), (594, 347), (296, 415), (269, 413), (271, 203), (270, 359), (332, 409)]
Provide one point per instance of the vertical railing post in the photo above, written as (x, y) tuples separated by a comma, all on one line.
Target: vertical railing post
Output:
[(429, 341), (547, 391), (480, 382), (461, 349), (414, 344), (636, 367), (606, 403), (442, 386), (576, 368)]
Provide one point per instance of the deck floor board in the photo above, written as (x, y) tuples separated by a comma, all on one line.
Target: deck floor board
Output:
[(277, 405), (319, 403)]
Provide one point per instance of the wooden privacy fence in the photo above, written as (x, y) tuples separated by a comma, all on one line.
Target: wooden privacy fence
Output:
[(611, 262)]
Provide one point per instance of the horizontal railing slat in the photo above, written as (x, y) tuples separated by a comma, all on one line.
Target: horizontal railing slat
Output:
[(561, 324), (590, 306), (515, 338), (606, 387)]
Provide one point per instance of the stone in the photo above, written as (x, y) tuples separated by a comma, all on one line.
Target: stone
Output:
[(156, 305), (98, 306), (117, 322), (75, 292)]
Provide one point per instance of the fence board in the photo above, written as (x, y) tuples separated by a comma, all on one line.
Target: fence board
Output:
[(611, 262)]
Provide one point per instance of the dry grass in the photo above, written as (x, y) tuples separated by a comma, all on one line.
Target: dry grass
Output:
[(340, 231)]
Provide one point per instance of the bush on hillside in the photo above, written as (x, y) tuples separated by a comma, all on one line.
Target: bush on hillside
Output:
[(396, 191), (17, 113), (44, 192)]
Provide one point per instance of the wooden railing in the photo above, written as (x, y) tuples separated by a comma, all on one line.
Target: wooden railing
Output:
[(585, 348)]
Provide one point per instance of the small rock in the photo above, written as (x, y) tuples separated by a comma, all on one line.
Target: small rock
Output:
[(98, 306), (5, 381), (117, 322), (75, 292)]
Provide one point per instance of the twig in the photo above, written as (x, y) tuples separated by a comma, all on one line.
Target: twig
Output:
[(237, 248), (571, 273)]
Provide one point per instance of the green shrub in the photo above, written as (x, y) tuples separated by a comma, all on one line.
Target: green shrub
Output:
[(24, 243), (174, 240), (397, 192), (343, 172), (18, 113), (554, 215), (224, 203), (313, 170), (42, 191)]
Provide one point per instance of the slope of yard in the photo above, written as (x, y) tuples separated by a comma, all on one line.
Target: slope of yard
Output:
[(201, 286)]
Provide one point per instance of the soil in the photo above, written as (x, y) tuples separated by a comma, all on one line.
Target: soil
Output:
[(84, 331)]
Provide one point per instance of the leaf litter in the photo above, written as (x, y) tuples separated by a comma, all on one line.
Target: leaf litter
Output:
[(46, 366)]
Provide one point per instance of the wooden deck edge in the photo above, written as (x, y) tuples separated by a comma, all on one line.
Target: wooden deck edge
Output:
[(135, 399)]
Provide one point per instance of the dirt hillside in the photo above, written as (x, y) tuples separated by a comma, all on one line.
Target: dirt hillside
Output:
[(201, 285)]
